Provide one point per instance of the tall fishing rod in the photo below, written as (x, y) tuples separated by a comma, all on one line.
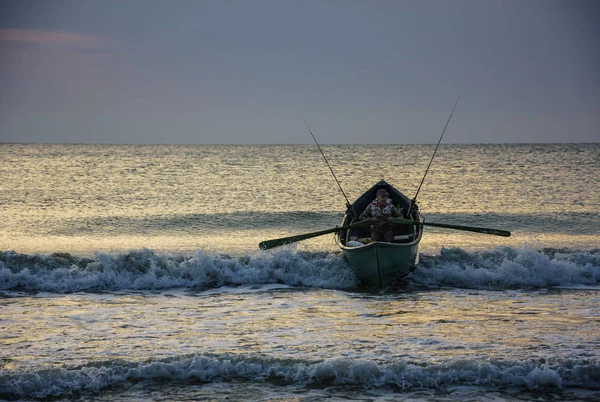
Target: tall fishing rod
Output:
[(348, 205), (414, 200)]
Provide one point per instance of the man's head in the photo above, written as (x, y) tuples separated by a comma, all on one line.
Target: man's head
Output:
[(382, 196)]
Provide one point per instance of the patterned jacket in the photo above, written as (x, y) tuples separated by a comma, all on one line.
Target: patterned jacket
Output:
[(374, 210)]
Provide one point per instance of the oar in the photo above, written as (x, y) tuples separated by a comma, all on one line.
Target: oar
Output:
[(267, 244), (496, 232)]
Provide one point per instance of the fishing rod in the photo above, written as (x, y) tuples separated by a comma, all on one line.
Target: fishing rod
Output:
[(414, 200), (348, 205)]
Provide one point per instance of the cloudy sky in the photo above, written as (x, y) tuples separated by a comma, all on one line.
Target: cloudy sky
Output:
[(206, 72)]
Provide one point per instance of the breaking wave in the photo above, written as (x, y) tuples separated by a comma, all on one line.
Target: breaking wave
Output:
[(147, 270), (533, 374), (510, 268), (501, 268)]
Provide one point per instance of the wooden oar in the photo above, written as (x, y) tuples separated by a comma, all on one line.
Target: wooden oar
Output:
[(267, 244), (496, 232)]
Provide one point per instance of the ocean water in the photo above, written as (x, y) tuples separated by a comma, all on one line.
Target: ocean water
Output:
[(133, 273)]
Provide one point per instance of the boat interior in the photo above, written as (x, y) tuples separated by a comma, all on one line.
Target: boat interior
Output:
[(359, 236)]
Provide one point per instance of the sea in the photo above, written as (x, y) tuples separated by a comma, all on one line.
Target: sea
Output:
[(133, 273)]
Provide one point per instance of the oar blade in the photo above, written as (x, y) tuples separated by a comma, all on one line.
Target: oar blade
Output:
[(268, 244), (490, 231)]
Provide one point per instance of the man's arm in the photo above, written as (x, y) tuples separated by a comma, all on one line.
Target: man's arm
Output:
[(366, 214)]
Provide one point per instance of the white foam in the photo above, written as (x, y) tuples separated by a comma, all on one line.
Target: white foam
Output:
[(508, 267), (502, 268), (147, 270), (529, 375)]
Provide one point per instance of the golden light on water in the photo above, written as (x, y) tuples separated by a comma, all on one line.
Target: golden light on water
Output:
[(229, 198)]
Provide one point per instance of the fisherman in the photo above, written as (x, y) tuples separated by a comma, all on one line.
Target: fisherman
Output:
[(380, 211)]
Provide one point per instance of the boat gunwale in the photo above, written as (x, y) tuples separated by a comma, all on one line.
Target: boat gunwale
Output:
[(381, 243)]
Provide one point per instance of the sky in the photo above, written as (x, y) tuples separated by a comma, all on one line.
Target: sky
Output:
[(240, 72)]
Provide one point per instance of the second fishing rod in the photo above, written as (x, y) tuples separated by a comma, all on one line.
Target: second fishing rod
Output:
[(413, 202), (348, 205)]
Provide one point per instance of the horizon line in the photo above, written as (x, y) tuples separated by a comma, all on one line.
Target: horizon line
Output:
[(292, 144)]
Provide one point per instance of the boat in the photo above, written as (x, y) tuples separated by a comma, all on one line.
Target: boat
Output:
[(380, 264)]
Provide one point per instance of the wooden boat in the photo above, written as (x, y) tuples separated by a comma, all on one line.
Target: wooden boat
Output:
[(379, 264)]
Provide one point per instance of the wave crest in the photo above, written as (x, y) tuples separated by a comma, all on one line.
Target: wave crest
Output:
[(145, 269), (501, 268), (530, 375), (509, 268)]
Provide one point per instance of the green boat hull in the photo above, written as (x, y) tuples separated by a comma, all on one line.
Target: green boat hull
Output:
[(379, 264)]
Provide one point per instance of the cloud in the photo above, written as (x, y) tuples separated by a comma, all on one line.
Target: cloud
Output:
[(40, 36)]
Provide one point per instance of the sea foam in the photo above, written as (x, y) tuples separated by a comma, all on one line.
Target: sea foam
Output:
[(509, 268), (147, 270), (501, 268), (531, 374)]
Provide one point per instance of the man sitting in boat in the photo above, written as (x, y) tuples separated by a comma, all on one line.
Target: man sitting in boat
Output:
[(380, 211)]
